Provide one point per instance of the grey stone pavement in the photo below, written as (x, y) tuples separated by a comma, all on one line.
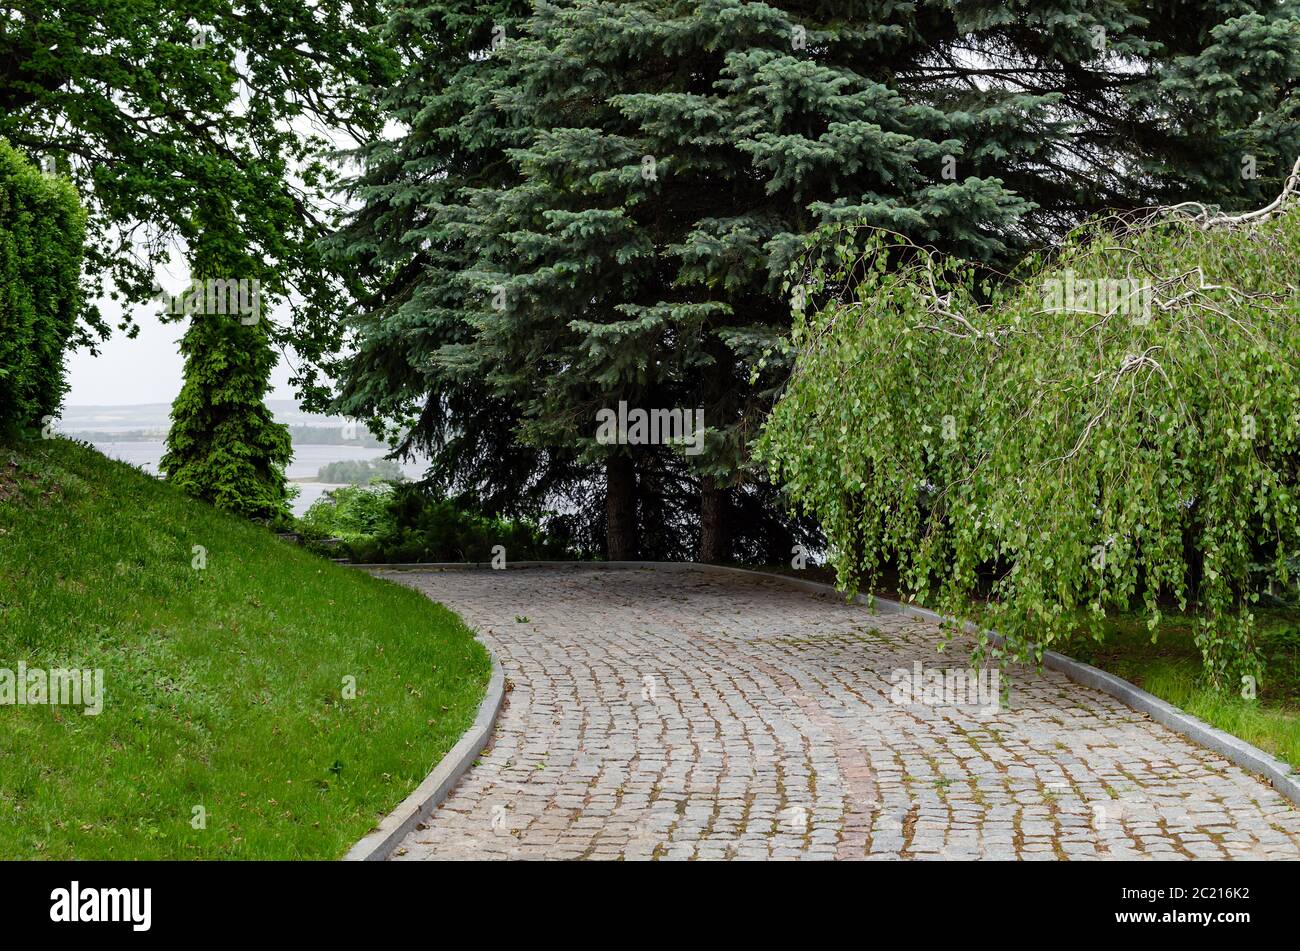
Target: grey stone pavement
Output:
[(681, 713)]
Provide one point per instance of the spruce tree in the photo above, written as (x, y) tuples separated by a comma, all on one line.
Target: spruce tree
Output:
[(646, 171), (409, 240), (224, 446)]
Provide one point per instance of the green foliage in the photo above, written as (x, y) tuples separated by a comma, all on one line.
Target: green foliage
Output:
[(159, 111), (602, 206), (224, 445), (1060, 454), (409, 240), (361, 471), (413, 522), (352, 513), (42, 227), (152, 106)]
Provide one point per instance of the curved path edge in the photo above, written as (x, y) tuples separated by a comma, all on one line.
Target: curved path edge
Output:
[(1249, 757), (426, 797), (1233, 748)]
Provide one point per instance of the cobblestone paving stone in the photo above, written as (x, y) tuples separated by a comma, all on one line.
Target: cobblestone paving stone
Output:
[(682, 713)]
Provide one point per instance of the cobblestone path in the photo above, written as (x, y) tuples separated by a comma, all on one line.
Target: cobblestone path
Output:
[(677, 712)]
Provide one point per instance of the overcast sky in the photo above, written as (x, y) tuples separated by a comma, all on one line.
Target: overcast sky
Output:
[(147, 369)]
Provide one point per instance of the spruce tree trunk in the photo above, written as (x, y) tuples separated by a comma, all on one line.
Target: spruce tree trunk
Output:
[(620, 509), (713, 521)]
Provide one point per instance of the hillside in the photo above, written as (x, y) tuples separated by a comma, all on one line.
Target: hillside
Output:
[(223, 686)]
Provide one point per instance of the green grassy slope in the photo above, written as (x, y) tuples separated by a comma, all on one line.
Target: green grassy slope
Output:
[(224, 687)]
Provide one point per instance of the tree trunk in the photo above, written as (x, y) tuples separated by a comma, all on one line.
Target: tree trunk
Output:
[(713, 521), (620, 509)]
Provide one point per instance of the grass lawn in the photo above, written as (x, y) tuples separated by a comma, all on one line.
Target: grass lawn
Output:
[(224, 687)]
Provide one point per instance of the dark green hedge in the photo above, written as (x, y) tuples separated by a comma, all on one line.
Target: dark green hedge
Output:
[(42, 231)]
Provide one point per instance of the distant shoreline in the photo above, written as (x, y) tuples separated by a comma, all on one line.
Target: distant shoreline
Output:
[(298, 435)]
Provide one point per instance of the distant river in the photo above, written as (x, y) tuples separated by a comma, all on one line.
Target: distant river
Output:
[(307, 461)]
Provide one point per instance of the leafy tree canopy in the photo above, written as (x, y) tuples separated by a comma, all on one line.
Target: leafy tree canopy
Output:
[(1115, 430), (596, 201), (148, 106)]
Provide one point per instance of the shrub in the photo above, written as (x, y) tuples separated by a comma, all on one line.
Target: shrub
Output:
[(1117, 430), (42, 230), (411, 522), (351, 513)]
